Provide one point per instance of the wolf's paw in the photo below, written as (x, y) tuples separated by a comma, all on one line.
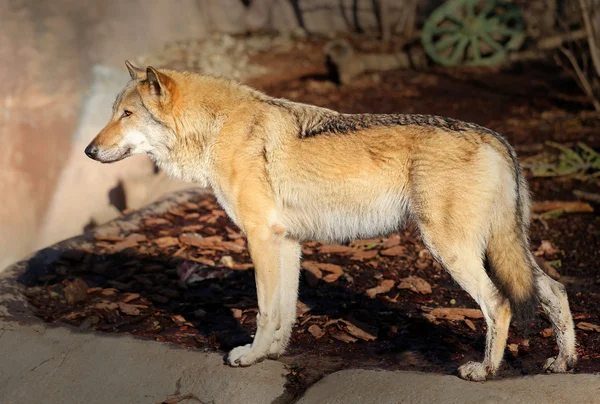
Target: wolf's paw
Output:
[(244, 356), (559, 364), (277, 349), (473, 371)]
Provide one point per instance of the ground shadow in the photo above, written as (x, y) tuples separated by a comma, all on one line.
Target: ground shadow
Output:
[(208, 306)]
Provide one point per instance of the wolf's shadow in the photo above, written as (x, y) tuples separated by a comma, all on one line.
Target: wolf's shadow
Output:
[(437, 347)]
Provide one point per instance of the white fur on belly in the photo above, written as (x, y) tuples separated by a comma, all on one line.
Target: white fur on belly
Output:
[(312, 220)]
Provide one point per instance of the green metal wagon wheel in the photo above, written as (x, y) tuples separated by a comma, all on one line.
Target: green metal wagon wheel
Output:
[(472, 32)]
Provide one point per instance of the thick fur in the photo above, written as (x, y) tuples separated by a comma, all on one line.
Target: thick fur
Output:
[(286, 172)]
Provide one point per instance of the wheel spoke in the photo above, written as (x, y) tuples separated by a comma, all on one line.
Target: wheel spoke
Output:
[(459, 50), (444, 43), (489, 6), (470, 8), (487, 39), (475, 47), (443, 30), (453, 19)]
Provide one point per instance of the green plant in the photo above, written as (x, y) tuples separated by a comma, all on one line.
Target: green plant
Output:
[(581, 162)]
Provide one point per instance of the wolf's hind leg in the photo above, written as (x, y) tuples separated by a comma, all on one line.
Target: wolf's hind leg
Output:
[(553, 298), (464, 262), (289, 275)]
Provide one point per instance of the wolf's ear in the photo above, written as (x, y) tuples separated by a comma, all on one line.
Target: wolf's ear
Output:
[(134, 72), (158, 81)]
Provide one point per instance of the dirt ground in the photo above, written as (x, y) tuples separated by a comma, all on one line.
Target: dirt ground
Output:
[(132, 283)]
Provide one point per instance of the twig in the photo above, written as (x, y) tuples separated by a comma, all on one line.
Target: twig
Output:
[(556, 41), (566, 206), (587, 196), (587, 22), (582, 79), (384, 18)]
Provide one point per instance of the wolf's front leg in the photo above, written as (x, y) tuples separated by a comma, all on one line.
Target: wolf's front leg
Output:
[(265, 245)]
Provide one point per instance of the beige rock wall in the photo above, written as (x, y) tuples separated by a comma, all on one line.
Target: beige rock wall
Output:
[(49, 50)]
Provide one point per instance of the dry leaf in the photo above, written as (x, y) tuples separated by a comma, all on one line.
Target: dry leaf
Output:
[(546, 248), (342, 336), (330, 322), (165, 242), (363, 332), (109, 291), (192, 228), (547, 332), (364, 255), (430, 318), (313, 269), (155, 221), (128, 297), (231, 246), (129, 309), (335, 249), (514, 348), (227, 261), (366, 244), (190, 205), (317, 268), (242, 267), (455, 313), (76, 291), (384, 286), (588, 326), (307, 251), (105, 305), (176, 212), (180, 320), (394, 251), (197, 240), (335, 271), (301, 308), (415, 284), (424, 254), (137, 237), (316, 331), (391, 242), (470, 324), (237, 313), (122, 245), (329, 278)]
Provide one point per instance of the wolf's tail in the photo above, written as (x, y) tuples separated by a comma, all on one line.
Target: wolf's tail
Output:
[(508, 254)]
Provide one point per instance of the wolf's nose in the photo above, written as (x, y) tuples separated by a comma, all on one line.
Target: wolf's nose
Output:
[(91, 151)]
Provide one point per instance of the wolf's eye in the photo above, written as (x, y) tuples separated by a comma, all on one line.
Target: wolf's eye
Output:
[(126, 114)]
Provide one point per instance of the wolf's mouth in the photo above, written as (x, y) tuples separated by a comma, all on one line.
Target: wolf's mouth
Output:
[(121, 157)]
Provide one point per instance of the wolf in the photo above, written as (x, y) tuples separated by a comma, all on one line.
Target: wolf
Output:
[(285, 172)]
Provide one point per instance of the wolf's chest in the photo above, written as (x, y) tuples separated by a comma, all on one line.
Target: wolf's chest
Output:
[(227, 205)]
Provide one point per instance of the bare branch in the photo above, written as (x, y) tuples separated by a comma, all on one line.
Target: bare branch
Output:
[(586, 12), (582, 79)]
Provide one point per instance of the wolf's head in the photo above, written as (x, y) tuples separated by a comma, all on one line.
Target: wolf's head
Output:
[(141, 121)]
